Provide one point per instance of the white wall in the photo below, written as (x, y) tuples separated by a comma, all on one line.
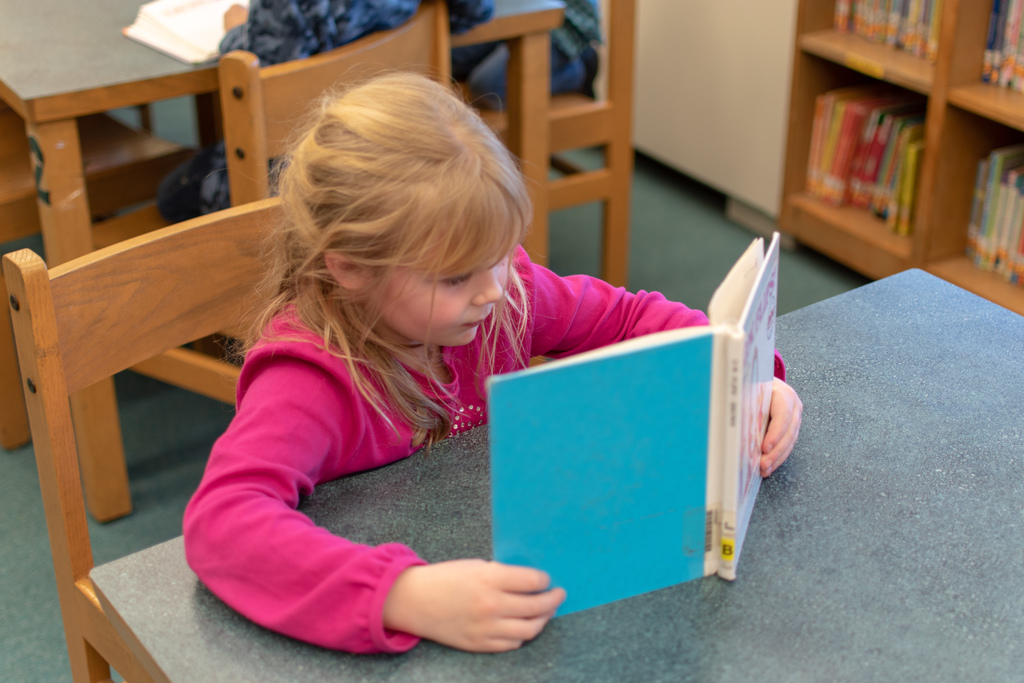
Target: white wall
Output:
[(712, 92)]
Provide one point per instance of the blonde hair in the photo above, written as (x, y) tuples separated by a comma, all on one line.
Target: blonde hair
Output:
[(397, 172)]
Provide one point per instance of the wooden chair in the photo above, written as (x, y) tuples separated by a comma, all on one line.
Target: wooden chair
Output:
[(576, 122), (123, 166), (84, 321), (260, 108)]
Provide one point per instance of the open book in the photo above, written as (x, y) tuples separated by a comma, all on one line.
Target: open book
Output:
[(635, 466), (189, 30)]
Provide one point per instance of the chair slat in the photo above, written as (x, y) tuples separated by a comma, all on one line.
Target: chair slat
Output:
[(129, 302)]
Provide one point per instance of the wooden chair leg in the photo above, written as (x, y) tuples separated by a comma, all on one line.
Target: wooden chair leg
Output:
[(14, 431), (101, 451)]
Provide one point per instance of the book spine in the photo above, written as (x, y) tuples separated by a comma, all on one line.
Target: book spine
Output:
[(1004, 219), (1011, 39), (977, 204), (842, 16), (716, 449), (817, 143), (1013, 238), (932, 50), (731, 447), (908, 195), (992, 44)]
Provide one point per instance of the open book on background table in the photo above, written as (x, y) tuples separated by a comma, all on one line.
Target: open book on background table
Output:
[(635, 467), (188, 30)]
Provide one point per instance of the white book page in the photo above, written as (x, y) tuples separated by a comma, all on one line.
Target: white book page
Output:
[(730, 298), (172, 25)]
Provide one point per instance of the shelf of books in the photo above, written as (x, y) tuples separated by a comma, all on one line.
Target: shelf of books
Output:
[(906, 139)]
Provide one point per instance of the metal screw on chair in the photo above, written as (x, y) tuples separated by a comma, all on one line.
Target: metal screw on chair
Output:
[(237, 92), (239, 152), (31, 385), (14, 303)]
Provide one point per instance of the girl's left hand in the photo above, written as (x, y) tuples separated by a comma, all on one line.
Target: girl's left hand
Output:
[(784, 417)]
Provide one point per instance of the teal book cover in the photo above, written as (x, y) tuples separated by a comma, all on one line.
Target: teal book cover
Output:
[(599, 467)]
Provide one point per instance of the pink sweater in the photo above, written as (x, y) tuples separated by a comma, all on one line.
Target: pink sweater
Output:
[(301, 422)]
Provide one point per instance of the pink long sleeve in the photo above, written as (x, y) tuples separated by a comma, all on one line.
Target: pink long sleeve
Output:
[(300, 422)]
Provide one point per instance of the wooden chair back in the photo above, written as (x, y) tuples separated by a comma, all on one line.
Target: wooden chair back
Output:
[(82, 322), (261, 107), (577, 122)]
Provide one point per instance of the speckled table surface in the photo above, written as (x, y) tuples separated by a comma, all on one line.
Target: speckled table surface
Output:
[(888, 547)]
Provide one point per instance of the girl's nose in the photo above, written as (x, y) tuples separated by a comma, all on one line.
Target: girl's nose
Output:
[(490, 288)]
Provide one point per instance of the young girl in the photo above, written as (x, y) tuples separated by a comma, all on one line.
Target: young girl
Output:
[(397, 286)]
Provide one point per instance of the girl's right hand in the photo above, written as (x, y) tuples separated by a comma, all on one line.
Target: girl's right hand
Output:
[(472, 605)]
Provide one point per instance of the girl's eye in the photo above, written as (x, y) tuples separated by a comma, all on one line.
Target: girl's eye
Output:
[(457, 280)]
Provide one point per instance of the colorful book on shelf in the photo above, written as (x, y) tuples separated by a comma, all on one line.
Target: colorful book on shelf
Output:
[(864, 183), (188, 30), (866, 114), (1008, 221), (888, 193), (908, 35), (895, 20), (888, 161), (830, 108), (993, 42), (635, 467), (841, 21), (855, 113), (977, 205), (1017, 79), (1011, 40), (1000, 161), (934, 24), (908, 188)]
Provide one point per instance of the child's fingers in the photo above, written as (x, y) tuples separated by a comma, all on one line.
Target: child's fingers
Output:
[(533, 605), (516, 579)]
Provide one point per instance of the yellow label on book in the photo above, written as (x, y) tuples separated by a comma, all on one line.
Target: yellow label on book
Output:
[(865, 66), (728, 549)]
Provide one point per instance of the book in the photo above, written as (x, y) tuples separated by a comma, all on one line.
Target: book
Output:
[(889, 161), (1007, 234), (977, 203), (188, 30), (635, 467), (1000, 160), (908, 188), (993, 41)]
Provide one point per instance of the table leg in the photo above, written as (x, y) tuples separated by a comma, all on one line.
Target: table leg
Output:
[(14, 431), (529, 98), (67, 234)]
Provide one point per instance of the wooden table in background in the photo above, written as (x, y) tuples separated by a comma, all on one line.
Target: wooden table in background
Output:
[(61, 60)]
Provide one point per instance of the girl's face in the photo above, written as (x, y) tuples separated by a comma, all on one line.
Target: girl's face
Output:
[(447, 311)]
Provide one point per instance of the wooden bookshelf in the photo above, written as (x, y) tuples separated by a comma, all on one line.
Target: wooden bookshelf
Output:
[(965, 120)]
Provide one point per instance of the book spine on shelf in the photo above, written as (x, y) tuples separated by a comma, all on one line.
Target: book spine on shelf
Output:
[(908, 194), (1004, 218), (993, 44), (977, 206), (934, 23), (842, 16), (1008, 56), (892, 29), (817, 143)]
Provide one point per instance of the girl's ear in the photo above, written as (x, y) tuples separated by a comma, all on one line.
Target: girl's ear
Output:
[(347, 274)]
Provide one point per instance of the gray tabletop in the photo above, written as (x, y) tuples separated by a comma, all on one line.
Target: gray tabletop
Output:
[(55, 47), (888, 547), (51, 48)]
